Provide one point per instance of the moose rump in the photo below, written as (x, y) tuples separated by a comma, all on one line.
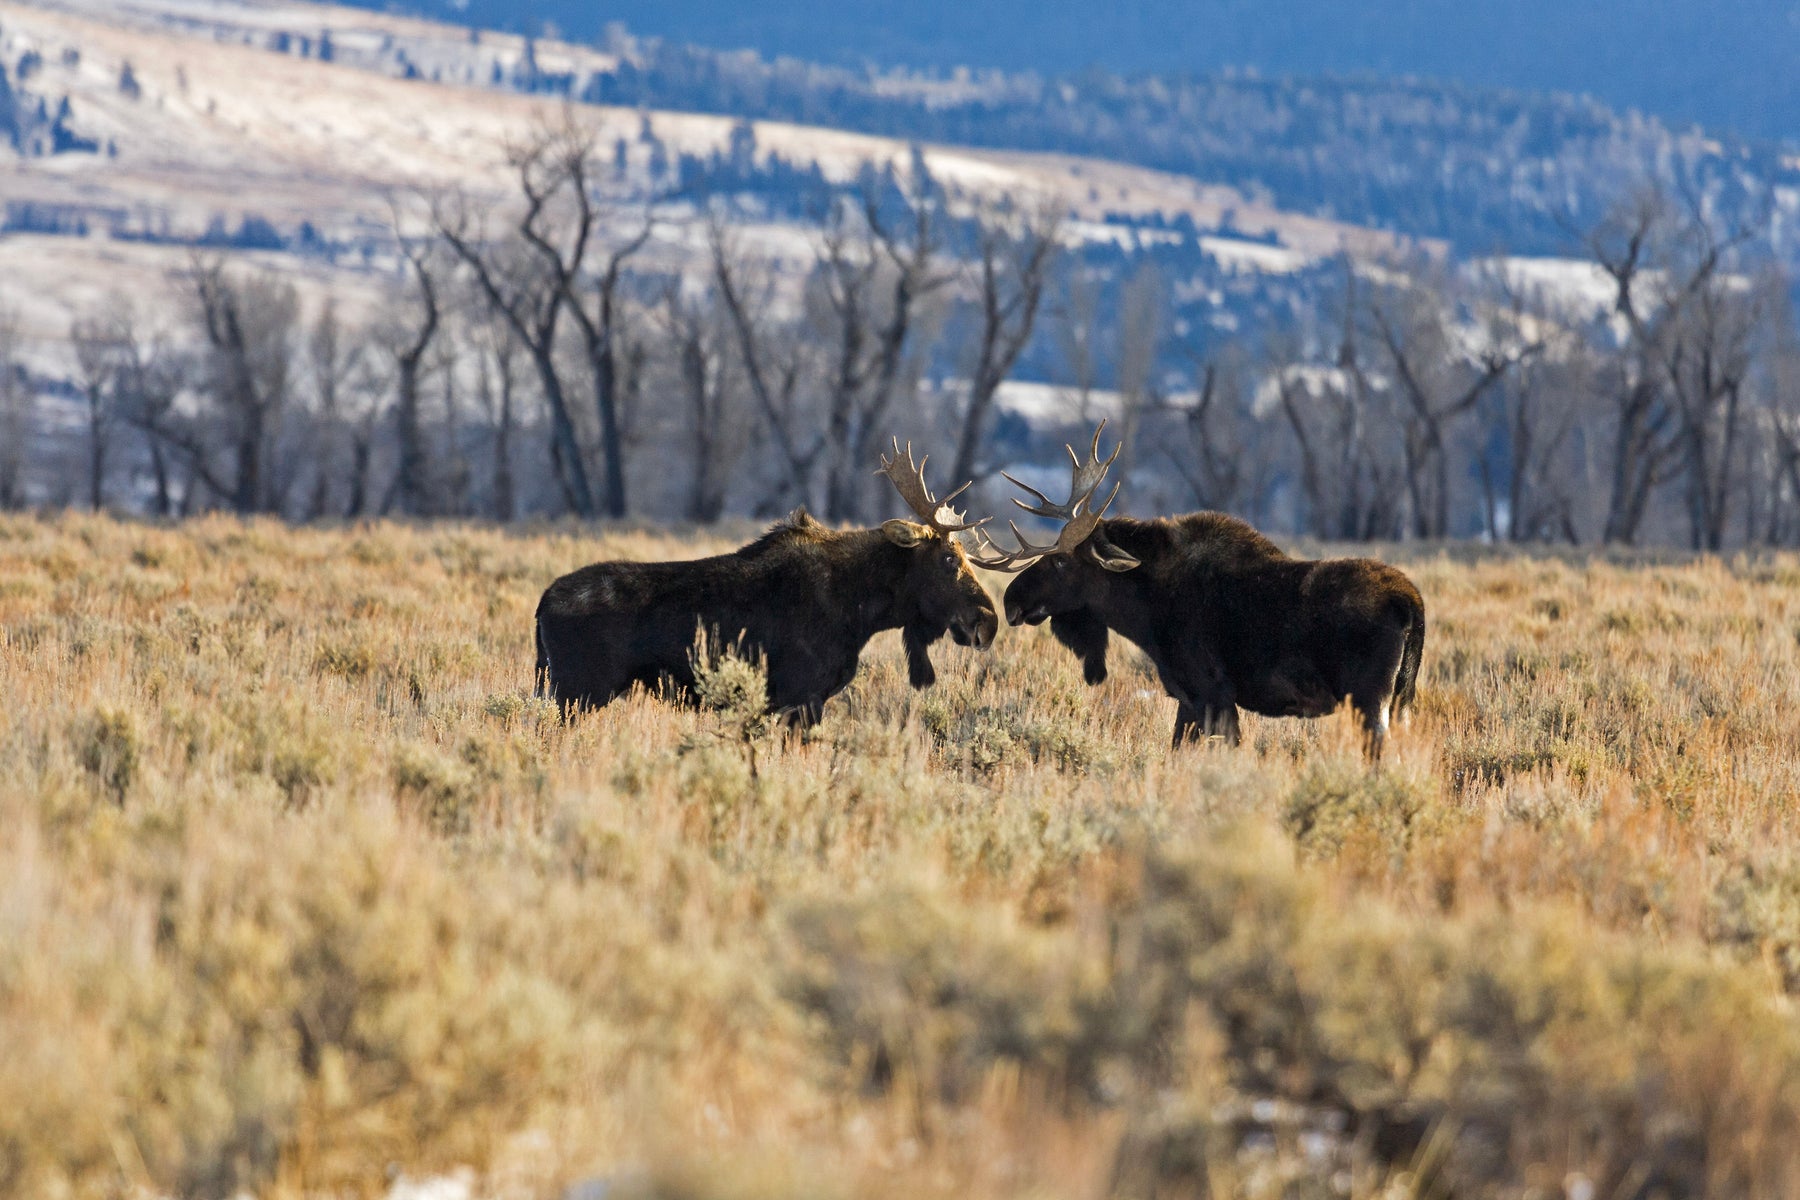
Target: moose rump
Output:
[(1279, 636), (608, 626)]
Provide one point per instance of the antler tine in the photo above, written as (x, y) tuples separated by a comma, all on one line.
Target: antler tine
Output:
[(1079, 516), (948, 520), (1027, 546), (1113, 495), (1084, 523), (1009, 560), (1086, 478), (951, 521), (1048, 507), (910, 483)]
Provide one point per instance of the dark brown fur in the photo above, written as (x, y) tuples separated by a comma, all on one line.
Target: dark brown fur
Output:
[(1232, 622), (803, 598)]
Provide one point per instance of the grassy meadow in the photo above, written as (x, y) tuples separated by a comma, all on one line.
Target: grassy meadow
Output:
[(302, 893)]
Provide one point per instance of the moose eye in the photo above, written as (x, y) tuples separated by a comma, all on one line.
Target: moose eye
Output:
[(948, 558), (1060, 564)]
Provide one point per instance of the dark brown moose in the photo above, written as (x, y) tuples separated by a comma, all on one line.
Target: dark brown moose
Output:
[(802, 598), (1229, 620)]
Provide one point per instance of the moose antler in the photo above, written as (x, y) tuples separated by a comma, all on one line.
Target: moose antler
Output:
[(1079, 516), (909, 481)]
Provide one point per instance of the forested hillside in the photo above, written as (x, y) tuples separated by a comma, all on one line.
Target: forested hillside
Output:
[(1685, 61), (1484, 168)]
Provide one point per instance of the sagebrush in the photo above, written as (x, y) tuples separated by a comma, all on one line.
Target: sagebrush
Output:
[(300, 889)]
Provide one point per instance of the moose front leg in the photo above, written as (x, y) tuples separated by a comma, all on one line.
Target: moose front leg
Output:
[(1084, 633), (1197, 724), (800, 718), (1206, 701), (801, 682)]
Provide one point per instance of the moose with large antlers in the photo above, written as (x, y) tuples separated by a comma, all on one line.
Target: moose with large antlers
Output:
[(803, 598), (1229, 620)]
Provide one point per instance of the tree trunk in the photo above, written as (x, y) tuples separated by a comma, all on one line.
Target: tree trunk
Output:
[(504, 503)]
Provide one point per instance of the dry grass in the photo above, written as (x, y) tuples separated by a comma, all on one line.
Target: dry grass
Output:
[(299, 889)]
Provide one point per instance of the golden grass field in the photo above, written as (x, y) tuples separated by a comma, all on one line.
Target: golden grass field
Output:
[(301, 892)]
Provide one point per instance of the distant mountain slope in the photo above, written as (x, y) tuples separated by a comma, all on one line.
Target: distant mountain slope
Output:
[(1481, 169), (1728, 66), (134, 131)]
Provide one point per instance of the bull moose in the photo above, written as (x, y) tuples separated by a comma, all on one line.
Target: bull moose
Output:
[(804, 598), (1229, 620)]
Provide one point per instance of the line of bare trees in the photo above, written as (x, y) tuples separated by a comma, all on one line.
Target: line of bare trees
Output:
[(1660, 409), (575, 353), (561, 354)]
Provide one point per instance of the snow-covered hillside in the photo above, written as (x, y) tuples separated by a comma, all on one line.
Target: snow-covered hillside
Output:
[(183, 116)]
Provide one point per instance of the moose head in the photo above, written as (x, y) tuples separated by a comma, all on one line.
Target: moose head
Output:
[(940, 593), (1070, 573)]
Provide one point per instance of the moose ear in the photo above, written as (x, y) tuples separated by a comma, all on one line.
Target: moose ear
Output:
[(904, 533), (1109, 555)]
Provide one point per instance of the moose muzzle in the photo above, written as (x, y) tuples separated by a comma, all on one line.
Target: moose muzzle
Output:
[(977, 631)]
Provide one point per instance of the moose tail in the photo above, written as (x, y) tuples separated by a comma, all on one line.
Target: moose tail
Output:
[(542, 688), (1407, 679)]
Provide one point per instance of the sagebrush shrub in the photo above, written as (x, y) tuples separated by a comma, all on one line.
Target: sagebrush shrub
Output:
[(300, 891)]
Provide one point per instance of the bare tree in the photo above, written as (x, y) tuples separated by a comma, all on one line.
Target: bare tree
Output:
[(149, 375), (15, 413), (612, 358), (1646, 439), (1772, 507), (1708, 370), (699, 344), (1142, 302), (1077, 330), (558, 262), (557, 172), (1537, 410), (870, 279), (1013, 260), (497, 386), (512, 276), (344, 414), (98, 354), (248, 321), (1342, 430), (1438, 384), (774, 357), (406, 338), (1219, 452)]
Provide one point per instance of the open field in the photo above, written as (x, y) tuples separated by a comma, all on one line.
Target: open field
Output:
[(300, 891)]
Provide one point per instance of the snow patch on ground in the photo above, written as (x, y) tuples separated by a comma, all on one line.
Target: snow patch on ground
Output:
[(1255, 257), (1571, 287)]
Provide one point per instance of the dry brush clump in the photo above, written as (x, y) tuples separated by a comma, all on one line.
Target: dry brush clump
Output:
[(301, 887)]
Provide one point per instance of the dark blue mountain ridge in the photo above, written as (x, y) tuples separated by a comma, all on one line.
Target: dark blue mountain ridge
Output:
[(1725, 66)]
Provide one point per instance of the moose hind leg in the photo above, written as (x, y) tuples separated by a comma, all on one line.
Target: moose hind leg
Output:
[(1374, 714), (1372, 694), (1196, 725), (571, 702)]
